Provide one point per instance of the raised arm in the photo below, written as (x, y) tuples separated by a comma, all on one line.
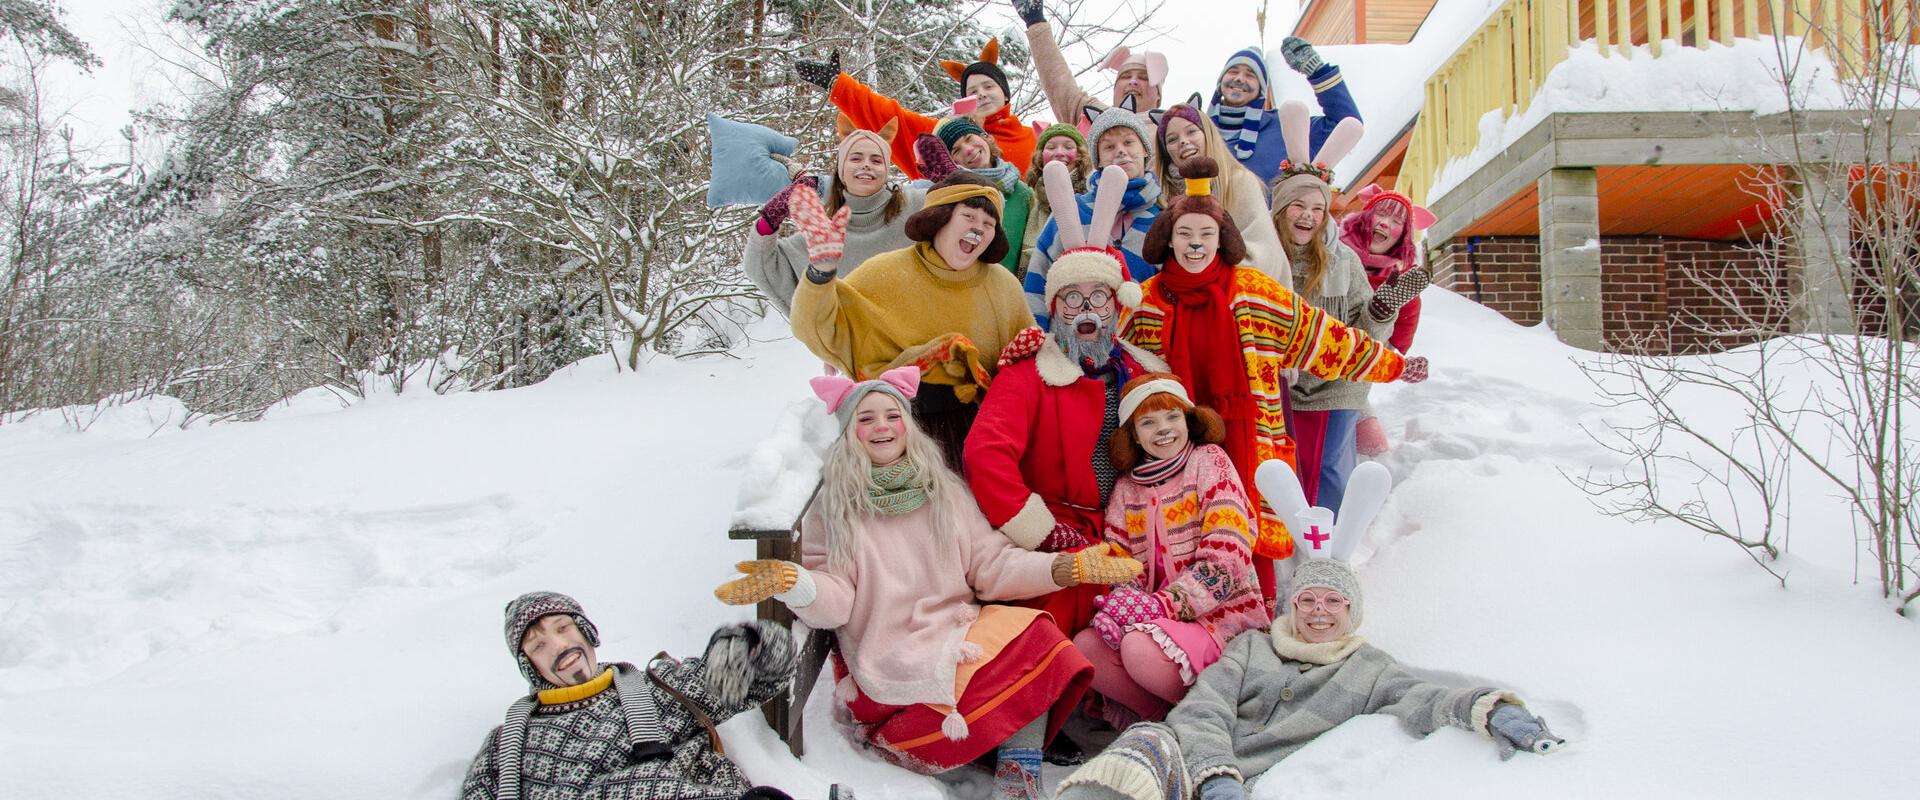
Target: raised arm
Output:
[(1064, 95)]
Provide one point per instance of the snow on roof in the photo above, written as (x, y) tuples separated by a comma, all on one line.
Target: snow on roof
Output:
[(1388, 81), (1743, 77)]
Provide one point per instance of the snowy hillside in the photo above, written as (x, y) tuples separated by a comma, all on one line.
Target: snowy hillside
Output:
[(309, 607)]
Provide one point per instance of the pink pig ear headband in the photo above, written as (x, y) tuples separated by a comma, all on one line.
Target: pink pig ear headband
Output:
[(842, 394)]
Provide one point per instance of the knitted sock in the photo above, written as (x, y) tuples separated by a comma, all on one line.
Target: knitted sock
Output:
[(1018, 775)]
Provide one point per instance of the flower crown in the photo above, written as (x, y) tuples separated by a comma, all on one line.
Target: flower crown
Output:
[(1317, 169)]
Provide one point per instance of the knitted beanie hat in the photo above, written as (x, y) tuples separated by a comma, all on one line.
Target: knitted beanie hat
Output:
[(1327, 573), (952, 129), (1200, 173), (1299, 185), (1120, 117), (1181, 111), (1253, 60), (989, 69), (1059, 129), (528, 609), (842, 394)]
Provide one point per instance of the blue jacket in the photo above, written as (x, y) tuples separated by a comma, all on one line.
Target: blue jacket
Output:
[(1336, 104)]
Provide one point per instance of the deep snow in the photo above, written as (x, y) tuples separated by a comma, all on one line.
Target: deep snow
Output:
[(310, 606)]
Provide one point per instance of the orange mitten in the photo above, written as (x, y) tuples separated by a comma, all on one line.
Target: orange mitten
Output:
[(759, 580)]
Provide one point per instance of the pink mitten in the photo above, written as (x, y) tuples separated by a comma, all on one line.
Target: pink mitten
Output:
[(826, 237), (1109, 630), (1062, 539), (936, 163), (1128, 606), (1415, 370)]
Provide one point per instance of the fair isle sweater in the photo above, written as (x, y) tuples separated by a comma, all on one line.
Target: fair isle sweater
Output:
[(778, 263), (1278, 332), (1344, 295), (1193, 533)]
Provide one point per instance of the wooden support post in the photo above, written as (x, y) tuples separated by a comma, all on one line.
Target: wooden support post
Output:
[(1819, 261)]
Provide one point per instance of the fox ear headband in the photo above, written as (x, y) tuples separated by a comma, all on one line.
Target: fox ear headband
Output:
[(989, 54)]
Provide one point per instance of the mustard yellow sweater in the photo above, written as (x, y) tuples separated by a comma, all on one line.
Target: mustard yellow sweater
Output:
[(905, 306)]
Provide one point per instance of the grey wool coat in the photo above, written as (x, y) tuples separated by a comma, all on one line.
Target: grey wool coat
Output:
[(1344, 295), (647, 737), (1253, 708), (776, 264)]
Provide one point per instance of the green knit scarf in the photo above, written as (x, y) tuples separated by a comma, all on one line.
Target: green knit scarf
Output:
[(897, 493)]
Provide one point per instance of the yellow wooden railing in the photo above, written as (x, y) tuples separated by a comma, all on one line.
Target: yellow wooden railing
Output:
[(1502, 65)]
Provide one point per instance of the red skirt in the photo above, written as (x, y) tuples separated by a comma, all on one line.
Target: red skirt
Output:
[(1039, 672)]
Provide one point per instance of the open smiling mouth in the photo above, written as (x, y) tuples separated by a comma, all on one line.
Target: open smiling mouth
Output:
[(970, 241), (568, 658)]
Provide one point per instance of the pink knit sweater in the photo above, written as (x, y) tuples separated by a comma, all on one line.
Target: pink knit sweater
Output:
[(903, 607), (1191, 532)]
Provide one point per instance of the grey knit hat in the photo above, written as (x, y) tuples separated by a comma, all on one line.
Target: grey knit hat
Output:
[(1119, 117), (528, 609), (1327, 573)]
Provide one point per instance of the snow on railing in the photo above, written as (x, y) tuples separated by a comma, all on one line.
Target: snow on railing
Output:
[(1501, 67)]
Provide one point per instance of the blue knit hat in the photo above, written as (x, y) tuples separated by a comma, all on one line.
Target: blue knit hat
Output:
[(1250, 58)]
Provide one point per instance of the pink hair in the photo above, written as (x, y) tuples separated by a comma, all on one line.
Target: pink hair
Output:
[(1357, 232)]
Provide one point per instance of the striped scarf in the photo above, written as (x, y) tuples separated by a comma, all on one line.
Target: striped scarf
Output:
[(1239, 128), (644, 728), (897, 493), (1156, 472), (1003, 174)]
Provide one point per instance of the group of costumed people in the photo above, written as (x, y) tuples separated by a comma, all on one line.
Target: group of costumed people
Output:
[(1100, 391)]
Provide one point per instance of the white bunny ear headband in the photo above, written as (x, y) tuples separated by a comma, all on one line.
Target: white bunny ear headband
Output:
[(1295, 130), (1087, 252), (1315, 532)]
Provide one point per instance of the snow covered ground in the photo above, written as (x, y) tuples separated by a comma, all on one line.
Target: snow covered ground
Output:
[(309, 607)]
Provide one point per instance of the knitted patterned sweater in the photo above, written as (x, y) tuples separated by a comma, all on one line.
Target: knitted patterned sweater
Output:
[(1192, 533), (590, 748), (904, 307), (1277, 332), (778, 263)]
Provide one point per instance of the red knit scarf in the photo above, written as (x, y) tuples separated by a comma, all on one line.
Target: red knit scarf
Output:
[(1202, 343)]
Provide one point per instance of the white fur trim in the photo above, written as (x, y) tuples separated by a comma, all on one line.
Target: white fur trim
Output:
[(954, 727), (1148, 361), (803, 592), (1085, 266), (1131, 401), (844, 691), (1213, 772), (1482, 713), (1130, 294), (1057, 370), (971, 653), (1288, 646), (1030, 527)]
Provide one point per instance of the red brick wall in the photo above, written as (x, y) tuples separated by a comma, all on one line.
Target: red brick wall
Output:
[(1508, 271), (1658, 295)]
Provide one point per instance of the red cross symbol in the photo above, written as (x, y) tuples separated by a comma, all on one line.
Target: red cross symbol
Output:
[(1316, 537)]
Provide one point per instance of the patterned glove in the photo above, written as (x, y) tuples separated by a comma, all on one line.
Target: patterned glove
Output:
[(1398, 291), (1061, 539), (1124, 606), (936, 162), (1104, 564), (1514, 730), (1415, 371), (1029, 11), (775, 210), (1301, 56), (1223, 787), (819, 73), (742, 654), (826, 236), (759, 580)]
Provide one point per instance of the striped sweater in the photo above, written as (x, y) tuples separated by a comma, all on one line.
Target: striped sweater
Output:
[(1134, 220), (1277, 332), (1192, 533)]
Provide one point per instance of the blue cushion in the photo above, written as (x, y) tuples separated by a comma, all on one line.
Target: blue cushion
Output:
[(743, 168)]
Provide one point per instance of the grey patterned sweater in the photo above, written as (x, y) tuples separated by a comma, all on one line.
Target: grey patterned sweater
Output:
[(591, 750), (1253, 708)]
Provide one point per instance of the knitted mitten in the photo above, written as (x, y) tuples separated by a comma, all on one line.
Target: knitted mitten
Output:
[(744, 654), (819, 73), (1123, 606), (1415, 371), (1061, 539), (775, 210), (1370, 437), (763, 579), (936, 162), (1029, 11), (1018, 775), (1398, 291), (1103, 564), (1301, 56), (1514, 729), (826, 236)]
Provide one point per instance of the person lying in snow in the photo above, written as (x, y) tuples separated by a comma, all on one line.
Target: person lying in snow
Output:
[(617, 731), (896, 559), (1271, 694)]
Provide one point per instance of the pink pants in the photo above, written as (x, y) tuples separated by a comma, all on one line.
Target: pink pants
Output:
[(1138, 676)]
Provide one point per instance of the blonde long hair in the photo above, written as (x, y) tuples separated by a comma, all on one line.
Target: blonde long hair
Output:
[(1212, 146), (846, 488)]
